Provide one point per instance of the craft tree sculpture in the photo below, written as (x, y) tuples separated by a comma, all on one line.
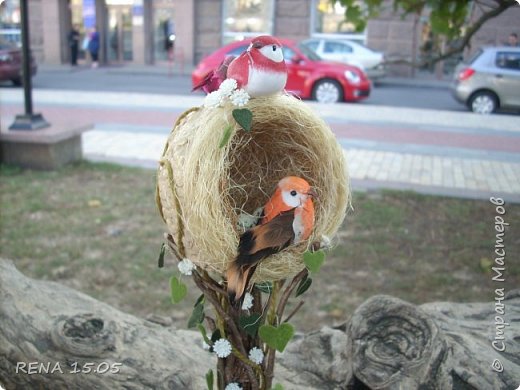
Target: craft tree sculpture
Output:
[(221, 164)]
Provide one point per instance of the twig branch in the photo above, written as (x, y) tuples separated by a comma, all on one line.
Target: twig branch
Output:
[(287, 293), (235, 336), (295, 310)]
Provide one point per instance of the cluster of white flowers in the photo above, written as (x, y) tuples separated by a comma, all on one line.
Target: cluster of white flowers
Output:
[(227, 90), (239, 97), (222, 348), (233, 386), (186, 267), (248, 301), (256, 355)]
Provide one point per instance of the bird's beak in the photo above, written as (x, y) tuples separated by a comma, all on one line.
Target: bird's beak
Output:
[(312, 193)]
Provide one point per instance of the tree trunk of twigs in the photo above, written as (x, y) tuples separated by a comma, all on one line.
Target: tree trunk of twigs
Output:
[(387, 344)]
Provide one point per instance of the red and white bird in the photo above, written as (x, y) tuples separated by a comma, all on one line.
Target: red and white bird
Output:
[(260, 70), (288, 219)]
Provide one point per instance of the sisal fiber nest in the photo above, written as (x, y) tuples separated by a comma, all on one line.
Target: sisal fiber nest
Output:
[(202, 189)]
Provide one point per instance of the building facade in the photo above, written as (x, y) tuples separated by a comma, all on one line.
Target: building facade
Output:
[(157, 31)]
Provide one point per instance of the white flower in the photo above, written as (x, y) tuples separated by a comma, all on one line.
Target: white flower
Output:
[(239, 97), (214, 99), (222, 348), (256, 355), (233, 386), (325, 242), (185, 266), (227, 86), (248, 301)]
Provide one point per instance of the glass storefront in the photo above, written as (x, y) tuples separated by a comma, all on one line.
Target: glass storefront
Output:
[(247, 18), (119, 33), (329, 19), (163, 30), (10, 21)]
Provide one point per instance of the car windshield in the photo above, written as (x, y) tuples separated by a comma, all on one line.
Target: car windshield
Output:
[(307, 52)]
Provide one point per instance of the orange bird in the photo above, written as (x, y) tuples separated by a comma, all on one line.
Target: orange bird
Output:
[(288, 218)]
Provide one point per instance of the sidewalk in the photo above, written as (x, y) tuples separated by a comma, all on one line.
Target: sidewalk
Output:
[(434, 152)]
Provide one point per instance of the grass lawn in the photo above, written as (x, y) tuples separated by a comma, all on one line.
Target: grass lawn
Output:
[(95, 227)]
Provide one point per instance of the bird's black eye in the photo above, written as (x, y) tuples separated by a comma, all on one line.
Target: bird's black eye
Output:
[(274, 48), (293, 193)]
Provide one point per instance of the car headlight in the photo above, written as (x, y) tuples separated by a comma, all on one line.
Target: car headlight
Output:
[(352, 76)]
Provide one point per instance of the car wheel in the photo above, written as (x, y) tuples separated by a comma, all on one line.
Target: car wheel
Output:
[(483, 102), (17, 81), (327, 91)]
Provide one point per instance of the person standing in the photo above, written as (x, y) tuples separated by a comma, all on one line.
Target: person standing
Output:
[(512, 40), (74, 45), (93, 47)]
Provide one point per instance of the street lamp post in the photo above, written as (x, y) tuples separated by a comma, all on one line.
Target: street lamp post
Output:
[(28, 120)]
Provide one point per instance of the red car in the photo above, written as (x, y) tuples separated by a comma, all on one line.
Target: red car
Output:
[(11, 63), (309, 77)]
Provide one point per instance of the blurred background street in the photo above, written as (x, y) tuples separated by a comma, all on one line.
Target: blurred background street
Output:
[(396, 140)]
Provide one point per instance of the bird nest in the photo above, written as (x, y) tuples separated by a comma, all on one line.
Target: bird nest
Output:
[(203, 189)]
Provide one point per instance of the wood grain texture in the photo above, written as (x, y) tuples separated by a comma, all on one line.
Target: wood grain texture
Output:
[(387, 344)]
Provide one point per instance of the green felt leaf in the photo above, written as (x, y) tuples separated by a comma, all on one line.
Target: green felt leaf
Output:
[(314, 260), (178, 289), (160, 261), (244, 117), (202, 331), (199, 300), (250, 324), (276, 338), (303, 286), (197, 316), (226, 136), (265, 287), (210, 379), (278, 386)]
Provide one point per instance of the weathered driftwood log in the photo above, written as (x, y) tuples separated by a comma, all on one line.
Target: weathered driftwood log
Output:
[(62, 331), (388, 344), (395, 345)]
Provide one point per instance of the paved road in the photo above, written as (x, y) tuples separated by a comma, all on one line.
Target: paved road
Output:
[(430, 151), (157, 80)]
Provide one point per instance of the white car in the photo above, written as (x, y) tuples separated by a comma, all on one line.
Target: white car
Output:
[(350, 53)]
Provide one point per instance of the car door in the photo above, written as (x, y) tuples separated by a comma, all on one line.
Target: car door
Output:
[(340, 52), (507, 77)]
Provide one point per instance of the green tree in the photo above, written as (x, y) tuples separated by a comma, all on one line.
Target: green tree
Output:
[(450, 20)]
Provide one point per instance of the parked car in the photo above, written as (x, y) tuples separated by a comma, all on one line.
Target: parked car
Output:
[(489, 80), (11, 63), (349, 52), (309, 77)]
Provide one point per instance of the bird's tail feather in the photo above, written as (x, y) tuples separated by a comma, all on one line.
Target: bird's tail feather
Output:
[(237, 278)]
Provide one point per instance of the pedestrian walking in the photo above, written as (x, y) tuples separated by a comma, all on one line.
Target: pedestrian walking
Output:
[(74, 45), (93, 47)]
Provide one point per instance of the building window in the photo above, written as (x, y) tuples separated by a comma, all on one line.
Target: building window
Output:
[(247, 18), (164, 31), (329, 18), (10, 21)]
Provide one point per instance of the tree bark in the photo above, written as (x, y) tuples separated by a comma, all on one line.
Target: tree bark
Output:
[(387, 344)]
